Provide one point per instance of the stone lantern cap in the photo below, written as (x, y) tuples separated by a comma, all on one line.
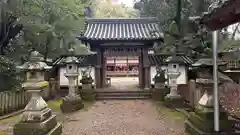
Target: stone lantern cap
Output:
[(174, 59), (71, 59), (34, 63), (207, 62)]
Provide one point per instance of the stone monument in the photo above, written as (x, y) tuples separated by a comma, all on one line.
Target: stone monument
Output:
[(72, 102), (173, 99), (201, 121), (37, 118), (160, 89)]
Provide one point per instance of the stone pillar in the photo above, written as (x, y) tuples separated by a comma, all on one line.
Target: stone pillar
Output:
[(72, 102), (173, 99)]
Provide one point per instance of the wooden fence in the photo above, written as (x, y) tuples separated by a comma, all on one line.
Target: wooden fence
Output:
[(11, 101), (191, 93)]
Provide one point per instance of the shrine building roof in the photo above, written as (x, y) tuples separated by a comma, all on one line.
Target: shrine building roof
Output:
[(84, 60), (122, 29), (159, 59)]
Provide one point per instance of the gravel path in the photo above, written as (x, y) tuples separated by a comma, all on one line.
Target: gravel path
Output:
[(132, 117)]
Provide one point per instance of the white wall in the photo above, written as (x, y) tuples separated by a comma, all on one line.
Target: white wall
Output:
[(182, 79), (64, 81)]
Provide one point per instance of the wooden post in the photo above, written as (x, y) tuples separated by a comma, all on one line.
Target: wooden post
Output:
[(98, 69), (192, 90), (140, 70), (146, 65), (103, 69)]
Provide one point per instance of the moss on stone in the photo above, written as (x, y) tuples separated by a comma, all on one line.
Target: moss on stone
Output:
[(174, 102), (88, 95), (206, 124), (35, 128), (159, 94), (168, 112), (55, 105), (71, 105)]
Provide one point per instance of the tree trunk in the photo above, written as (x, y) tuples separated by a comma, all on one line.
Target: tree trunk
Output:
[(47, 48)]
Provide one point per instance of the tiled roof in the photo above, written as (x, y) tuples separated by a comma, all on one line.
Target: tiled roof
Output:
[(158, 59), (122, 29), (84, 60)]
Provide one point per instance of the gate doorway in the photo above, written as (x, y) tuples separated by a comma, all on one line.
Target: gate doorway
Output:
[(122, 67)]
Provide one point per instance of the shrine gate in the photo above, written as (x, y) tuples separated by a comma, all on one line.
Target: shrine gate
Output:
[(121, 37)]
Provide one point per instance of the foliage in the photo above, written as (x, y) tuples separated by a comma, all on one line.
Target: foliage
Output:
[(8, 28), (108, 9), (50, 25), (9, 78), (174, 16)]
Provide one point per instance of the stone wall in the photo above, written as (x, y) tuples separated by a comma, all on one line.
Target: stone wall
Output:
[(63, 81)]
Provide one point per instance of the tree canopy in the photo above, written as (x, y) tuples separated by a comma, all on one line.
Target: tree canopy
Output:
[(48, 26), (174, 16)]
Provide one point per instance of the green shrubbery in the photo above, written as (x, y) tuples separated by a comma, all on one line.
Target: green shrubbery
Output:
[(9, 78)]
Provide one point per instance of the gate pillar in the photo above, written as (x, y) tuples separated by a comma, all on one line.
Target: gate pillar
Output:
[(146, 67)]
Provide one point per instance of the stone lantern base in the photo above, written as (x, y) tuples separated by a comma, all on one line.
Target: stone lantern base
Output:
[(71, 104), (43, 123), (159, 92), (201, 122), (174, 101), (37, 119)]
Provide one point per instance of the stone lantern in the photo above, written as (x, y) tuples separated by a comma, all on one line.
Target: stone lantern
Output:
[(72, 102), (37, 118), (173, 99), (202, 120)]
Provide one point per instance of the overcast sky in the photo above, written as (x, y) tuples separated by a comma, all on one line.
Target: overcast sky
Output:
[(127, 2)]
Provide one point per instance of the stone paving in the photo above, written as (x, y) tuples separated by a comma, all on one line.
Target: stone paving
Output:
[(124, 117), (124, 83)]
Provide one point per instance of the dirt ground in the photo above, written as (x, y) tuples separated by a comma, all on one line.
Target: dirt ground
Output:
[(123, 117)]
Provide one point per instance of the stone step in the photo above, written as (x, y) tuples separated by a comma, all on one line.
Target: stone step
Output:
[(116, 95), (123, 94), (123, 98)]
